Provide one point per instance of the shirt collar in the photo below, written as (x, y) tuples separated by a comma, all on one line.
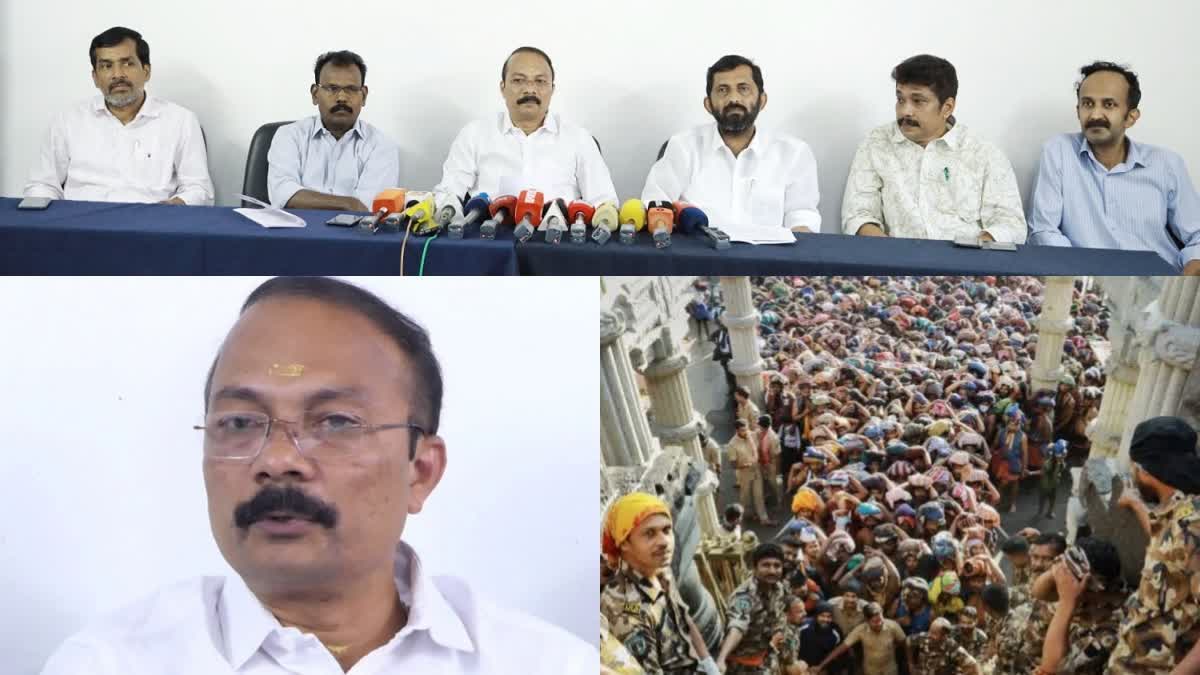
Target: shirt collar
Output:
[(549, 125), (1135, 157), (717, 144), (246, 623), (320, 130), (952, 138), (151, 107)]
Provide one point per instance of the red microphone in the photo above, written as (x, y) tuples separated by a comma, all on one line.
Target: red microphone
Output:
[(501, 209), (528, 213), (580, 214)]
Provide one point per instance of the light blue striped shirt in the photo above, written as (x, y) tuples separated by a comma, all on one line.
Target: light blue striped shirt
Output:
[(1078, 202), (305, 156)]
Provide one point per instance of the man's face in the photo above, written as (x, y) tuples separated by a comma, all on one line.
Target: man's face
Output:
[(849, 600), (339, 96), (915, 599), (1041, 557), (812, 549), (769, 570), (744, 432), (1103, 108), (876, 623), (735, 100), (966, 623), (824, 619), (795, 613), (919, 114), (320, 365), (1018, 560), (119, 75), (527, 87), (790, 551), (650, 545)]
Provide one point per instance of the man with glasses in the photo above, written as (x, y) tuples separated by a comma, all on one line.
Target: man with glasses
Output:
[(124, 145), (311, 518), (527, 146), (333, 160)]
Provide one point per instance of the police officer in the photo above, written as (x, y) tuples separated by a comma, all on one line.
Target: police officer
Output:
[(641, 601), (936, 652), (757, 617), (1164, 610)]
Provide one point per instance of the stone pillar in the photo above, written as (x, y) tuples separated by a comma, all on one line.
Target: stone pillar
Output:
[(1169, 338), (1052, 326), (1109, 426), (624, 432), (676, 422), (741, 318)]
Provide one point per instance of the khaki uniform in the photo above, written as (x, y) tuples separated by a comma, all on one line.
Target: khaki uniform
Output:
[(848, 618), (1161, 617), (614, 655), (712, 456), (651, 623), (934, 658), (749, 412), (759, 613), (974, 642), (744, 453)]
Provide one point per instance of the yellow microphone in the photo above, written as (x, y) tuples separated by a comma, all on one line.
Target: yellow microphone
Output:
[(633, 219)]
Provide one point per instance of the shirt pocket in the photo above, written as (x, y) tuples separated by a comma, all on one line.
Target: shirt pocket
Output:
[(152, 164), (960, 192), (767, 202)]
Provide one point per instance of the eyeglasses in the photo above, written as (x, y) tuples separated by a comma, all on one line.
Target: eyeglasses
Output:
[(334, 90), (330, 437)]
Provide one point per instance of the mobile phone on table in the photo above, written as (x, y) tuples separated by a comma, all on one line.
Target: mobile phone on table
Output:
[(34, 203), (344, 220)]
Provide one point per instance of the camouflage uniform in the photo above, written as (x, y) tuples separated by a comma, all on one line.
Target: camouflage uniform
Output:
[(974, 642), (1163, 611), (613, 654), (1012, 657), (759, 617), (1091, 637), (790, 649), (938, 658), (652, 624)]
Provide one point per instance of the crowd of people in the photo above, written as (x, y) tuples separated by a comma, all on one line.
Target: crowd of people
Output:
[(897, 424)]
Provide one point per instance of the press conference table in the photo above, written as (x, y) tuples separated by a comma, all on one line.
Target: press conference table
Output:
[(105, 238), (829, 254)]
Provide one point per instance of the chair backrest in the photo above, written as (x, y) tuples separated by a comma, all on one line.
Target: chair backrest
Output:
[(255, 182), (598, 146), (663, 150)]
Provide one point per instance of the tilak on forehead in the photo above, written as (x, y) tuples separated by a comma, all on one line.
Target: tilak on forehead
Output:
[(286, 369)]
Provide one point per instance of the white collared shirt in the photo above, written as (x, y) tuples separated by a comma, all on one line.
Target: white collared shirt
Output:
[(305, 156), (216, 626), (772, 182), (89, 155), (559, 159), (956, 186)]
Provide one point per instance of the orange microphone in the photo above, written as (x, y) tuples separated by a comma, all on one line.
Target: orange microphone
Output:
[(660, 219), (502, 214), (528, 213), (389, 203)]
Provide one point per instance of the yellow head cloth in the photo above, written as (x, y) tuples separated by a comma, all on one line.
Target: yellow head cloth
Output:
[(624, 516)]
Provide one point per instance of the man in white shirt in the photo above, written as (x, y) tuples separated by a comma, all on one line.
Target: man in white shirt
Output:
[(924, 176), (123, 145), (311, 518), (332, 160), (732, 170), (527, 147)]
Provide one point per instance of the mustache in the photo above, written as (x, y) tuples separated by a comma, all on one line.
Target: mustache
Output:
[(735, 106), (114, 85), (529, 99), (1098, 124), (908, 122), (341, 107), (286, 499)]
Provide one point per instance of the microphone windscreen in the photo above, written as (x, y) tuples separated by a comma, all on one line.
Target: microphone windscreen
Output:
[(632, 211), (580, 208), (691, 219), (606, 216), (479, 202)]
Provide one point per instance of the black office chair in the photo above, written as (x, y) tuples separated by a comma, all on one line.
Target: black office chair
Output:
[(663, 150), (255, 182), (598, 146)]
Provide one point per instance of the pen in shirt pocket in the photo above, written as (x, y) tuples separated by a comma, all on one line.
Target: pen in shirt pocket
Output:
[(946, 172)]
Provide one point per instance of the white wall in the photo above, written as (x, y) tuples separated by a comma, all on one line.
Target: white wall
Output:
[(100, 482), (630, 71)]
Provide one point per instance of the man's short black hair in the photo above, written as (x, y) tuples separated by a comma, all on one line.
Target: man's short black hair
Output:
[(740, 424), (526, 50), (1102, 558), (729, 62), (767, 550), (115, 36), (995, 596), (1015, 545), (1135, 87), (1054, 539), (743, 390), (344, 57), (410, 337), (930, 71)]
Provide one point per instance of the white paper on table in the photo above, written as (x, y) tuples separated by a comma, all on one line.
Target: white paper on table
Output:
[(759, 234), (269, 216)]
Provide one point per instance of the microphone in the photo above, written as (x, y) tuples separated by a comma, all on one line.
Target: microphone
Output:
[(476, 208), (604, 222), (689, 219), (633, 219), (528, 214), (390, 201), (420, 215), (554, 221), (502, 214), (449, 208), (579, 213), (660, 218)]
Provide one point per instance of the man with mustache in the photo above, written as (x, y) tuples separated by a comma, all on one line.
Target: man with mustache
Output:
[(756, 616), (527, 147), (124, 145), (332, 160), (734, 171), (925, 176), (320, 438), (1161, 616), (642, 601), (1100, 189)]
